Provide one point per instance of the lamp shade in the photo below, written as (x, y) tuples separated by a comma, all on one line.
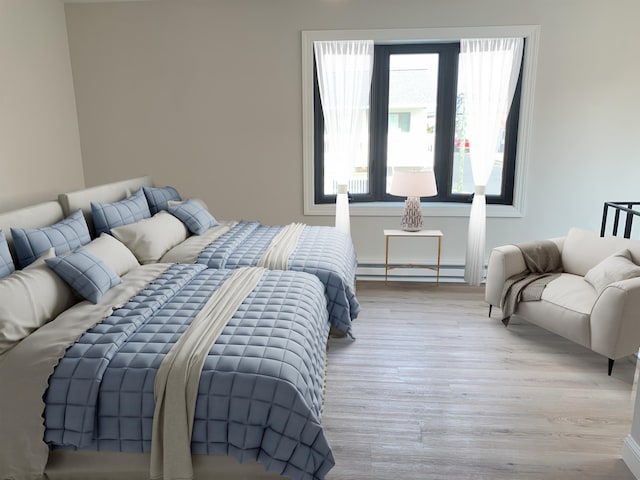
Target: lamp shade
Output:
[(413, 184)]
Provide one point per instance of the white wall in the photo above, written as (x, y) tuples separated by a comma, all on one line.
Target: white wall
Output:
[(206, 95), (39, 139)]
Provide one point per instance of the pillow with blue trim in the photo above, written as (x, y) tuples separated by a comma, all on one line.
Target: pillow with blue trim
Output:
[(6, 262), (195, 217), (85, 273), (110, 215), (158, 198), (31, 243)]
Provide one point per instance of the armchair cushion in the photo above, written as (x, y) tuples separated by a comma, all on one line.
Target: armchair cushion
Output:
[(570, 292), (614, 268)]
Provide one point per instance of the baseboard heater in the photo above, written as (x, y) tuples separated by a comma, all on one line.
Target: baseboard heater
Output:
[(375, 271)]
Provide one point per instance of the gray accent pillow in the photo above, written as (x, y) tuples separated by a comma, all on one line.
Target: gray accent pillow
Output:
[(110, 215), (614, 268), (6, 262), (193, 215), (31, 243), (85, 273), (158, 198)]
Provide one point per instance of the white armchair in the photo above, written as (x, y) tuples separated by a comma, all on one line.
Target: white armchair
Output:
[(601, 312)]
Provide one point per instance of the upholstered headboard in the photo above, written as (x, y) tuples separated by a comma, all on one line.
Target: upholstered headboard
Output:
[(35, 216), (107, 193)]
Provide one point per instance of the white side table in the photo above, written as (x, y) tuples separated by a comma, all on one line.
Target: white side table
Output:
[(421, 233)]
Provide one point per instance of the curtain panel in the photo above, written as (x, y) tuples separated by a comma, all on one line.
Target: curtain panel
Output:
[(344, 78), (489, 69)]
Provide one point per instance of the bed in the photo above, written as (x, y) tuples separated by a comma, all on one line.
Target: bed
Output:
[(91, 369), (321, 251)]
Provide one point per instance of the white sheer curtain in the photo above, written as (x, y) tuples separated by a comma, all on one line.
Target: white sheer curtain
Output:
[(489, 72), (344, 76)]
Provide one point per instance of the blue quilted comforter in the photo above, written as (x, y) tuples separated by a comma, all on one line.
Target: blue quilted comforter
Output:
[(260, 393), (322, 251)]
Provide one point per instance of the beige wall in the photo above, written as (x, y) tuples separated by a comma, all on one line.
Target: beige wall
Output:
[(206, 95), (39, 139)]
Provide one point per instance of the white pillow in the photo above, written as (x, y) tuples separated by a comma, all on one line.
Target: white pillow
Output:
[(113, 253), (151, 238), (614, 268), (29, 298)]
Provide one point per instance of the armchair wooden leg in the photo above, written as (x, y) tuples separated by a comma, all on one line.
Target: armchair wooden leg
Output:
[(611, 360), (490, 307)]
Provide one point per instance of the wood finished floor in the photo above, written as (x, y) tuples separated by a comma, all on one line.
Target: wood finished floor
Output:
[(434, 389)]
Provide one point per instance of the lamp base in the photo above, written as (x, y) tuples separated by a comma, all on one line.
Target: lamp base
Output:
[(412, 217)]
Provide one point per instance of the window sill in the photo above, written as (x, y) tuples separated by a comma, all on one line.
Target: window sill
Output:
[(394, 209)]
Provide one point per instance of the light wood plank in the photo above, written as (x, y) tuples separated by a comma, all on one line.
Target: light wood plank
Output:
[(434, 389)]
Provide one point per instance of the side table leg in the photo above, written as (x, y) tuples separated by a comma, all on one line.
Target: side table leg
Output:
[(386, 262), (438, 270)]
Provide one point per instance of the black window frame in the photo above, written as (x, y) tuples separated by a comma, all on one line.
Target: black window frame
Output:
[(445, 131)]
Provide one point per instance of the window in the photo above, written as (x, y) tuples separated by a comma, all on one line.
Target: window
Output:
[(416, 120), (313, 205)]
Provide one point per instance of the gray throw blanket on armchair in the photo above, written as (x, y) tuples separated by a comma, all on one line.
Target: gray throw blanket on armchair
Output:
[(543, 261)]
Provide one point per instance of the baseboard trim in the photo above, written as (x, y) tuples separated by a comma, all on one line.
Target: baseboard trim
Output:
[(631, 455), (375, 272)]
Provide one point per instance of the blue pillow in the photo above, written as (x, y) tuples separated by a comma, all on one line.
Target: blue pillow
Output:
[(110, 215), (158, 198), (85, 273), (6, 262), (31, 243), (194, 216)]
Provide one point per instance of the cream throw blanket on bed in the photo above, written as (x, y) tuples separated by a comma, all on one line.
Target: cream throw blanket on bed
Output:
[(177, 380), (276, 257)]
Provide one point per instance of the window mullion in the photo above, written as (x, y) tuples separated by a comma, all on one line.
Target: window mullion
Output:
[(378, 125), (446, 120)]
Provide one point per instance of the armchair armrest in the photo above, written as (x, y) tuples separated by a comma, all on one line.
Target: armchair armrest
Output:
[(504, 262), (615, 319)]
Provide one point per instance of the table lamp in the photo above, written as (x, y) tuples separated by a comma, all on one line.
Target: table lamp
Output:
[(413, 185)]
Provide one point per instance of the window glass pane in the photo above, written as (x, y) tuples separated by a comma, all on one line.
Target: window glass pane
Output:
[(462, 177), (413, 91)]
